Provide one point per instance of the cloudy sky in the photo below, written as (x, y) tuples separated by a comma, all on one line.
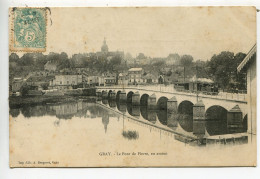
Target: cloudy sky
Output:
[(198, 31)]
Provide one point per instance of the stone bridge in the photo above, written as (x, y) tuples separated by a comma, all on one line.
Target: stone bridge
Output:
[(157, 98), (230, 108)]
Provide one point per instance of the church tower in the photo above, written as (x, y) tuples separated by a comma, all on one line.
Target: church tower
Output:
[(104, 48)]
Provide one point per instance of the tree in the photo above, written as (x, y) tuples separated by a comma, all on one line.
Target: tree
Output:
[(13, 57), (223, 68), (141, 56), (45, 86), (114, 64), (240, 77), (24, 89), (27, 60), (186, 60), (174, 57), (158, 65), (41, 60)]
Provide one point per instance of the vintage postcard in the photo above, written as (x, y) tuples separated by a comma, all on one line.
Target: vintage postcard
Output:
[(132, 86)]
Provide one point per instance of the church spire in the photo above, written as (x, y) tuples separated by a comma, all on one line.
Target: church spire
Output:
[(104, 47)]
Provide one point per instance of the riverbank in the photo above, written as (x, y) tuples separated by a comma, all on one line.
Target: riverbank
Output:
[(20, 101)]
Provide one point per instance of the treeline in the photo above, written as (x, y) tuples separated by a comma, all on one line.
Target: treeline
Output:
[(21, 66), (221, 68)]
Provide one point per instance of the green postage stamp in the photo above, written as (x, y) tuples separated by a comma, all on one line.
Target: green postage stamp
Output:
[(28, 31)]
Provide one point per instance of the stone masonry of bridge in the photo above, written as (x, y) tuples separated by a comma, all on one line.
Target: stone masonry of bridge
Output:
[(201, 103)]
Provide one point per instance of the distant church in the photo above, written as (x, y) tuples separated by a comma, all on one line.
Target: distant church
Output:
[(104, 48), (108, 54)]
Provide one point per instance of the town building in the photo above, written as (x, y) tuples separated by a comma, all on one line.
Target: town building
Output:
[(150, 78), (122, 79), (39, 82), (66, 82), (110, 79), (17, 84), (249, 64), (41, 73), (135, 76), (50, 66), (95, 81)]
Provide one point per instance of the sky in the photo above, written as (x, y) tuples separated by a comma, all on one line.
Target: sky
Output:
[(156, 32)]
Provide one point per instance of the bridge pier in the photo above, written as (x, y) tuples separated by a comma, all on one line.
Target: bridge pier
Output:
[(235, 119), (172, 110), (151, 116), (172, 106), (98, 93), (122, 96), (151, 103), (136, 99), (104, 94), (113, 95), (122, 107), (172, 120), (199, 119)]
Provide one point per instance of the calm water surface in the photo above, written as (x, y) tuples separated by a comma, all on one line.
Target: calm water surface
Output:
[(107, 133)]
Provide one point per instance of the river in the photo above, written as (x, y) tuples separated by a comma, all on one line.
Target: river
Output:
[(108, 133)]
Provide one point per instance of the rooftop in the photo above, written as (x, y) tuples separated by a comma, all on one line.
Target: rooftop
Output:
[(248, 57)]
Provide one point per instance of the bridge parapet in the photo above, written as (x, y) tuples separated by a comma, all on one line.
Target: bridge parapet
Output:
[(170, 90)]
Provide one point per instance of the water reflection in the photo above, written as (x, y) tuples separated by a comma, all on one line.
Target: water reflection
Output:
[(105, 101), (186, 122), (144, 112), (216, 120), (215, 123), (130, 135), (172, 120), (105, 121), (112, 103), (151, 117), (133, 110), (162, 116), (121, 107)]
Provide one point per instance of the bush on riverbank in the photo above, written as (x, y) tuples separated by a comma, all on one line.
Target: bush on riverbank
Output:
[(130, 135)]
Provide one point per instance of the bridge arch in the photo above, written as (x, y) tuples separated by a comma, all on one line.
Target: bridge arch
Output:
[(144, 112), (104, 94), (144, 99), (109, 93), (162, 116), (245, 124), (162, 103), (185, 115), (216, 120), (185, 107), (133, 110), (129, 97)]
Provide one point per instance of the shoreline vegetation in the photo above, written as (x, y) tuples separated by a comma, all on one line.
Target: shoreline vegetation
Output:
[(87, 95), (20, 101)]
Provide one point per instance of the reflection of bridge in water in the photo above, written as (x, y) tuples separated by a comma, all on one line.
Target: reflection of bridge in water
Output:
[(65, 110), (210, 116)]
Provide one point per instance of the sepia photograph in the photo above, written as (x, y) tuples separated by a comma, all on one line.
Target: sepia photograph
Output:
[(132, 86)]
